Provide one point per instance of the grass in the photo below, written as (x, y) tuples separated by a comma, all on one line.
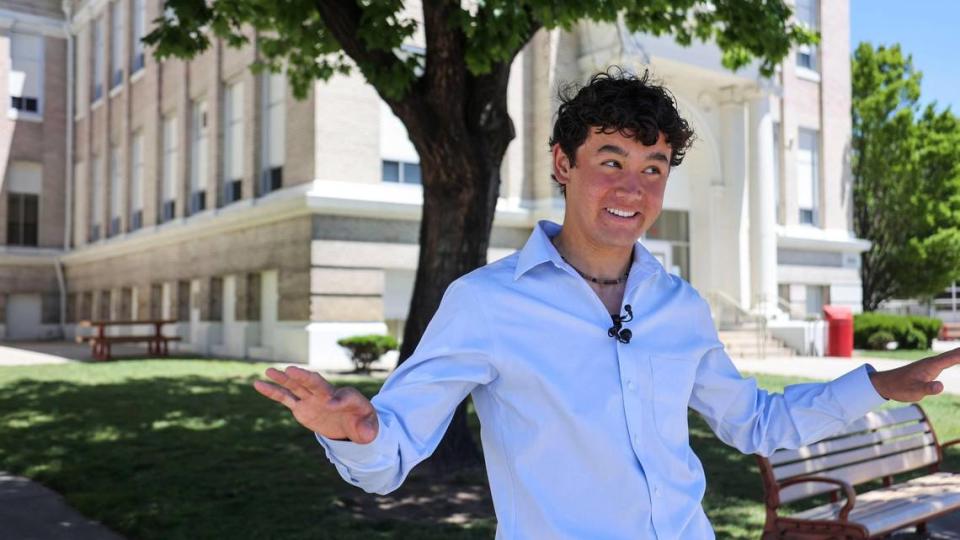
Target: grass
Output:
[(185, 449), (895, 354)]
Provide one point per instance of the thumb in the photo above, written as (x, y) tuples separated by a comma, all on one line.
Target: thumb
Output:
[(933, 388), (365, 430)]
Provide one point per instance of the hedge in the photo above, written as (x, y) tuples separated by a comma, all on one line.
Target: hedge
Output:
[(910, 331), (367, 349)]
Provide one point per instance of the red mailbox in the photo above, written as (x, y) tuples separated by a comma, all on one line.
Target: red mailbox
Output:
[(839, 331)]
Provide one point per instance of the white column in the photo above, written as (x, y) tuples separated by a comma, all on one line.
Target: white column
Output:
[(763, 240), (731, 217)]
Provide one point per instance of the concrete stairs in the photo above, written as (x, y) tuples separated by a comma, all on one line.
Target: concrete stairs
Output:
[(747, 343)]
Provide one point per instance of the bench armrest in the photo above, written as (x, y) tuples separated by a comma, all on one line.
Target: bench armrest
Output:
[(949, 443), (847, 491)]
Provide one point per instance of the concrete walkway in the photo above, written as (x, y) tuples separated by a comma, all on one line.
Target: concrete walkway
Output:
[(31, 353), (29, 511)]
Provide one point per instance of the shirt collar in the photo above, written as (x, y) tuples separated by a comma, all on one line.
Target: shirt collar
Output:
[(539, 249)]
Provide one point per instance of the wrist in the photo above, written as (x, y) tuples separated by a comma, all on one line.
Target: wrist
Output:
[(878, 379)]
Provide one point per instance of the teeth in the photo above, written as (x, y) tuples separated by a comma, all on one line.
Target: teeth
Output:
[(621, 213)]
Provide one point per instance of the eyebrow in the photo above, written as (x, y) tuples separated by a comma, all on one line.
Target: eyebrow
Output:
[(614, 149)]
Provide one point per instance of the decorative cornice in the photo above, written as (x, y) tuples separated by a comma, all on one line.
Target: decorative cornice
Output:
[(812, 238), (24, 256), (381, 201), (17, 21)]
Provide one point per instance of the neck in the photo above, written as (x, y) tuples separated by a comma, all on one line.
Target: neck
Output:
[(604, 263)]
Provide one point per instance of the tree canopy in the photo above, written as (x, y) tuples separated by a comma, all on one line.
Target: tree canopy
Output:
[(906, 173), (317, 38)]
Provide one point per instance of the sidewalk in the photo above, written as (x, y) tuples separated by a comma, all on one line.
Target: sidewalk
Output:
[(29, 511), (822, 368)]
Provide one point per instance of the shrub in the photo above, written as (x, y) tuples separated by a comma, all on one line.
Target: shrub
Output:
[(878, 340), (915, 339), (928, 325), (367, 349), (910, 332)]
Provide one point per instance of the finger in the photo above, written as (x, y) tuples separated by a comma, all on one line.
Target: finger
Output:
[(289, 383), (276, 393), (311, 380), (945, 360), (933, 388)]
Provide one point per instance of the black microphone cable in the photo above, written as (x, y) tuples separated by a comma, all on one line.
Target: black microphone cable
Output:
[(617, 331)]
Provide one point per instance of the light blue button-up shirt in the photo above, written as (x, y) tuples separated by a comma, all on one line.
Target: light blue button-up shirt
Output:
[(584, 437)]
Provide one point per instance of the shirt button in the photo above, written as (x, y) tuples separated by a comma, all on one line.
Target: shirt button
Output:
[(630, 385), (636, 439), (656, 490)]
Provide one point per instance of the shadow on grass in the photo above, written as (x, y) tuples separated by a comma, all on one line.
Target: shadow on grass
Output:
[(196, 457)]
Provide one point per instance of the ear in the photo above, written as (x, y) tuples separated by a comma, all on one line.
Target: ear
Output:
[(561, 165)]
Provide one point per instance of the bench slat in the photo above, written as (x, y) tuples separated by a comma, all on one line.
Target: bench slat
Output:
[(886, 417), (863, 472), (816, 466), (887, 509), (840, 444)]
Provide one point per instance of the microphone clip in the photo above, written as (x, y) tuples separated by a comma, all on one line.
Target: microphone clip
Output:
[(617, 331)]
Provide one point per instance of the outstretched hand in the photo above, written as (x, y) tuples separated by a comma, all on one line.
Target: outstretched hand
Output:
[(336, 413), (916, 380)]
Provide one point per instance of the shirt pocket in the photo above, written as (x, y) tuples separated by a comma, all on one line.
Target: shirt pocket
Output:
[(672, 384)]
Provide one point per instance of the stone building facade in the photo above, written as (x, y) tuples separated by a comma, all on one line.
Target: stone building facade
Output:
[(269, 226)]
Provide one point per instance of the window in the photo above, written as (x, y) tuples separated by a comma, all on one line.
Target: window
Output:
[(25, 81), (274, 137), (198, 157), (96, 207), (22, 218), (168, 193), (400, 162), (401, 172), (114, 192), (136, 181), (98, 52), (139, 30), (808, 14), (808, 175), (233, 143), (116, 43)]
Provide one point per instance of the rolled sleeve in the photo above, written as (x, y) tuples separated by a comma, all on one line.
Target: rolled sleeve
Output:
[(855, 392)]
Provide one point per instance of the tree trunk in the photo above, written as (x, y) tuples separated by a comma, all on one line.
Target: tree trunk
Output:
[(460, 165)]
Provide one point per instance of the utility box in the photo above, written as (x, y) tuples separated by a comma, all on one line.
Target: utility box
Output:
[(839, 331)]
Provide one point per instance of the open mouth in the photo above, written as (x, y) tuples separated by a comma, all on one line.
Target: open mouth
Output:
[(625, 214)]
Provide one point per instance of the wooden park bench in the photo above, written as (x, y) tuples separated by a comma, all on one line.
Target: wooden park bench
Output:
[(950, 331), (876, 447), (157, 343)]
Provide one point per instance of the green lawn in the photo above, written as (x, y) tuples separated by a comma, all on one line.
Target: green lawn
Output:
[(186, 449), (895, 354)]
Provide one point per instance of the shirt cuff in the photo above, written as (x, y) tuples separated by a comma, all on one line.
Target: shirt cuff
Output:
[(855, 392), (355, 454)]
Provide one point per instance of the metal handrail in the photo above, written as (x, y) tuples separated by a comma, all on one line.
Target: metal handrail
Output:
[(719, 300)]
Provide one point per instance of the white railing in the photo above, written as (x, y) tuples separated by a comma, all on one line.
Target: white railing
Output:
[(728, 313)]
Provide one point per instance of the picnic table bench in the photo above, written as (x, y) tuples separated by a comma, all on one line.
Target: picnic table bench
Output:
[(876, 447), (157, 343), (950, 330)]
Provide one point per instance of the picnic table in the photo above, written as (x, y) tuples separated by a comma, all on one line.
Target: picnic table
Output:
[(100, 342)]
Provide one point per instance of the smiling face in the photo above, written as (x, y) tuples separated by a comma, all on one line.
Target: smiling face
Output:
[(614, 192)]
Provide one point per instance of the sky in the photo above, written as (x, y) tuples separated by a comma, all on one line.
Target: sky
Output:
[(929, 30)]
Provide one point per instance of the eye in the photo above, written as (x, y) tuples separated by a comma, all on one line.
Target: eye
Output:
[(653, 169), (612, 163)]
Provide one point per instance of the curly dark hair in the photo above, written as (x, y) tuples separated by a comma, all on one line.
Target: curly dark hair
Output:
[(616, 101)]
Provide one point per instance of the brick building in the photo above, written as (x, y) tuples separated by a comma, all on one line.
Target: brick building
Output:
[(269, 226)]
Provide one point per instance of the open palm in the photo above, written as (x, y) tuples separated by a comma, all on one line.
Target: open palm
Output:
[(336, 413)]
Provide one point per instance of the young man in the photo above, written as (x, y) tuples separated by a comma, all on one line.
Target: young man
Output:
[(582, 355)]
